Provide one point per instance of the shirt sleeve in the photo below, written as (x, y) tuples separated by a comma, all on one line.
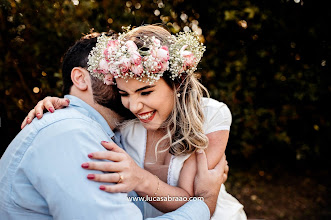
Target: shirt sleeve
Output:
[(53, 166), (194, 210), (217, 116)]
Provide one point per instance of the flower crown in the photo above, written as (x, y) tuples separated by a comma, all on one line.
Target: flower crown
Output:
[(119, 58)]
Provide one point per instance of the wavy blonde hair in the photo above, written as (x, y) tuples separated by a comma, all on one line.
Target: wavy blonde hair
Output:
[(184, 126)]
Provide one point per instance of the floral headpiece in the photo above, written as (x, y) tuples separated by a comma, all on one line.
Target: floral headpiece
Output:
[(119, 58)]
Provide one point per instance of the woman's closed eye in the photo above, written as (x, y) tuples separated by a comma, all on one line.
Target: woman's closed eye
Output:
[(146, 93)]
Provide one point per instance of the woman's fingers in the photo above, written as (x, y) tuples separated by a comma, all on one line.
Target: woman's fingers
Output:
[(39, 108), (114, 188), (104, 166), (225, 177), (31, 116), (112, 146), (57, 103), (24, 122), (28, 119), (221, 166), (226, 169), (107, 155), (50, 103), (107, 177)]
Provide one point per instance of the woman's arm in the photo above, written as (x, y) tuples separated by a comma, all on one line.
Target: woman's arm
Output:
[(149, 184), (215, 151), (50, 103), (134, 178)]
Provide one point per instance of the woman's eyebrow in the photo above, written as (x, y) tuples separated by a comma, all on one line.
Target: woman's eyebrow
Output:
[(120, 90), (140, 89), (145, 87)]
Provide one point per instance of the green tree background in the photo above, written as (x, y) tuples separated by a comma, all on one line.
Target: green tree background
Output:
[(267, 60)]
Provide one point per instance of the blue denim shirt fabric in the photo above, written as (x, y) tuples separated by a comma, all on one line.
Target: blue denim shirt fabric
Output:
[(41, 177)]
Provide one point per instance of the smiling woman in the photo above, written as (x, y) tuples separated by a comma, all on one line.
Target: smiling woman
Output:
[(154, 74), (151, 104), (174, 118)]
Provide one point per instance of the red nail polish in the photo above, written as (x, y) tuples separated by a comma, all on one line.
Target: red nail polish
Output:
[(102, 187), (90, 176), (104, 142), (85, 165), (68, 101), (51, 109), (90, 155)]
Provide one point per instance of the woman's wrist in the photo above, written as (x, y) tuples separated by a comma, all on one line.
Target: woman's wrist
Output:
[(147, 183)]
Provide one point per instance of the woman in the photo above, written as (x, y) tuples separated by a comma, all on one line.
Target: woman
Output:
[(154, 74)]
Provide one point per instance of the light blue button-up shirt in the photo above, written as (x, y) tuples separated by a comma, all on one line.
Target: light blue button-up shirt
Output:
[(41, 177)]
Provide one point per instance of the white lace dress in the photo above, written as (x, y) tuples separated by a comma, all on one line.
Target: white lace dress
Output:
[(217, 117)]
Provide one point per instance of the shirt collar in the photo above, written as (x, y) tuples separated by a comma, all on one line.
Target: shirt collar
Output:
[(90, 112)]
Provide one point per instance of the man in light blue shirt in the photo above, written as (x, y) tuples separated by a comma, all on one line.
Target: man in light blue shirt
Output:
[(40, 173)]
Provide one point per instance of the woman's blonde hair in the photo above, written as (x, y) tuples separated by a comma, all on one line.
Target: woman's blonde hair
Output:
[(184, 126)]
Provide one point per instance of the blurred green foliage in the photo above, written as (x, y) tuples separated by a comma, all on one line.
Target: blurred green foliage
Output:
[(267, 60)]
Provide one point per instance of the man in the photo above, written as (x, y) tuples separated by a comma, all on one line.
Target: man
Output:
[(40, 173)]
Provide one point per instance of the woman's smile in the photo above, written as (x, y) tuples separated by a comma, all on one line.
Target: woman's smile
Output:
[(146, 116), (150, 103)]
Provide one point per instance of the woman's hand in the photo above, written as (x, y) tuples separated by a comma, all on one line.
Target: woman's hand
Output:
[(50, 103), (207, 183), (123, 169)]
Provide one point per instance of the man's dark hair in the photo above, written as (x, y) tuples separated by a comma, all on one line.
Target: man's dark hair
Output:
[(76, 56)]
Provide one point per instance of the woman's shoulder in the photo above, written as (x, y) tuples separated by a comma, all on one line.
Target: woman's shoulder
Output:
[(217, 115), (210, 104)]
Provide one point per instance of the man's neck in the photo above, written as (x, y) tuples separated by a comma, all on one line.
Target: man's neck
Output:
[(109, 115)]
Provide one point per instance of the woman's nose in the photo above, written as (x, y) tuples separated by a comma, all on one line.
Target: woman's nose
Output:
[(135, 105)]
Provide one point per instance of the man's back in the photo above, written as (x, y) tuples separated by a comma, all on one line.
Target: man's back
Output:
[(40, 173)]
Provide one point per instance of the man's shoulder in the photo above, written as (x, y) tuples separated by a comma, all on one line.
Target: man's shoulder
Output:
[(67, 117), (63, 125), (65, 129)]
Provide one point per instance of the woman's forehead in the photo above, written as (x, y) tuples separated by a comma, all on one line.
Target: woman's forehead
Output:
[(134, 84)]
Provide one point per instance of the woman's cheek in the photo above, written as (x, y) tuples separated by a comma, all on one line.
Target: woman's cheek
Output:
[(125, 102)]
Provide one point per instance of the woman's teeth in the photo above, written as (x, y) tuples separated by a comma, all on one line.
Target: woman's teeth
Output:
[(146, 116)]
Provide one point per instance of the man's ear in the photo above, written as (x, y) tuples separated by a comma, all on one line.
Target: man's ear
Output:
[(80, 78)]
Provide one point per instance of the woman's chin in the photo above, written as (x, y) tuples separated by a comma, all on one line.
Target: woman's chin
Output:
[(151, 126)]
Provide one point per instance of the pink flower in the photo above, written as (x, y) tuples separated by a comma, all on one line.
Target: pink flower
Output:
[(108, 79), (124, 65), (163, 54), (105, 53), (163, 66), (135, 58), (103, 65), (113, 44), (131, 46), (189, 58), (112, 48), (114, 70), (137, 69)]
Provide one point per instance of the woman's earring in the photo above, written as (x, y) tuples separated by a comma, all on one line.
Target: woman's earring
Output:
[(178, 95)]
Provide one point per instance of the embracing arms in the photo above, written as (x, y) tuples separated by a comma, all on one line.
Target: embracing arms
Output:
[(151, 185)]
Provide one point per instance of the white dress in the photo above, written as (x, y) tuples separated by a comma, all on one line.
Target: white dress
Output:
[(217, 117)]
